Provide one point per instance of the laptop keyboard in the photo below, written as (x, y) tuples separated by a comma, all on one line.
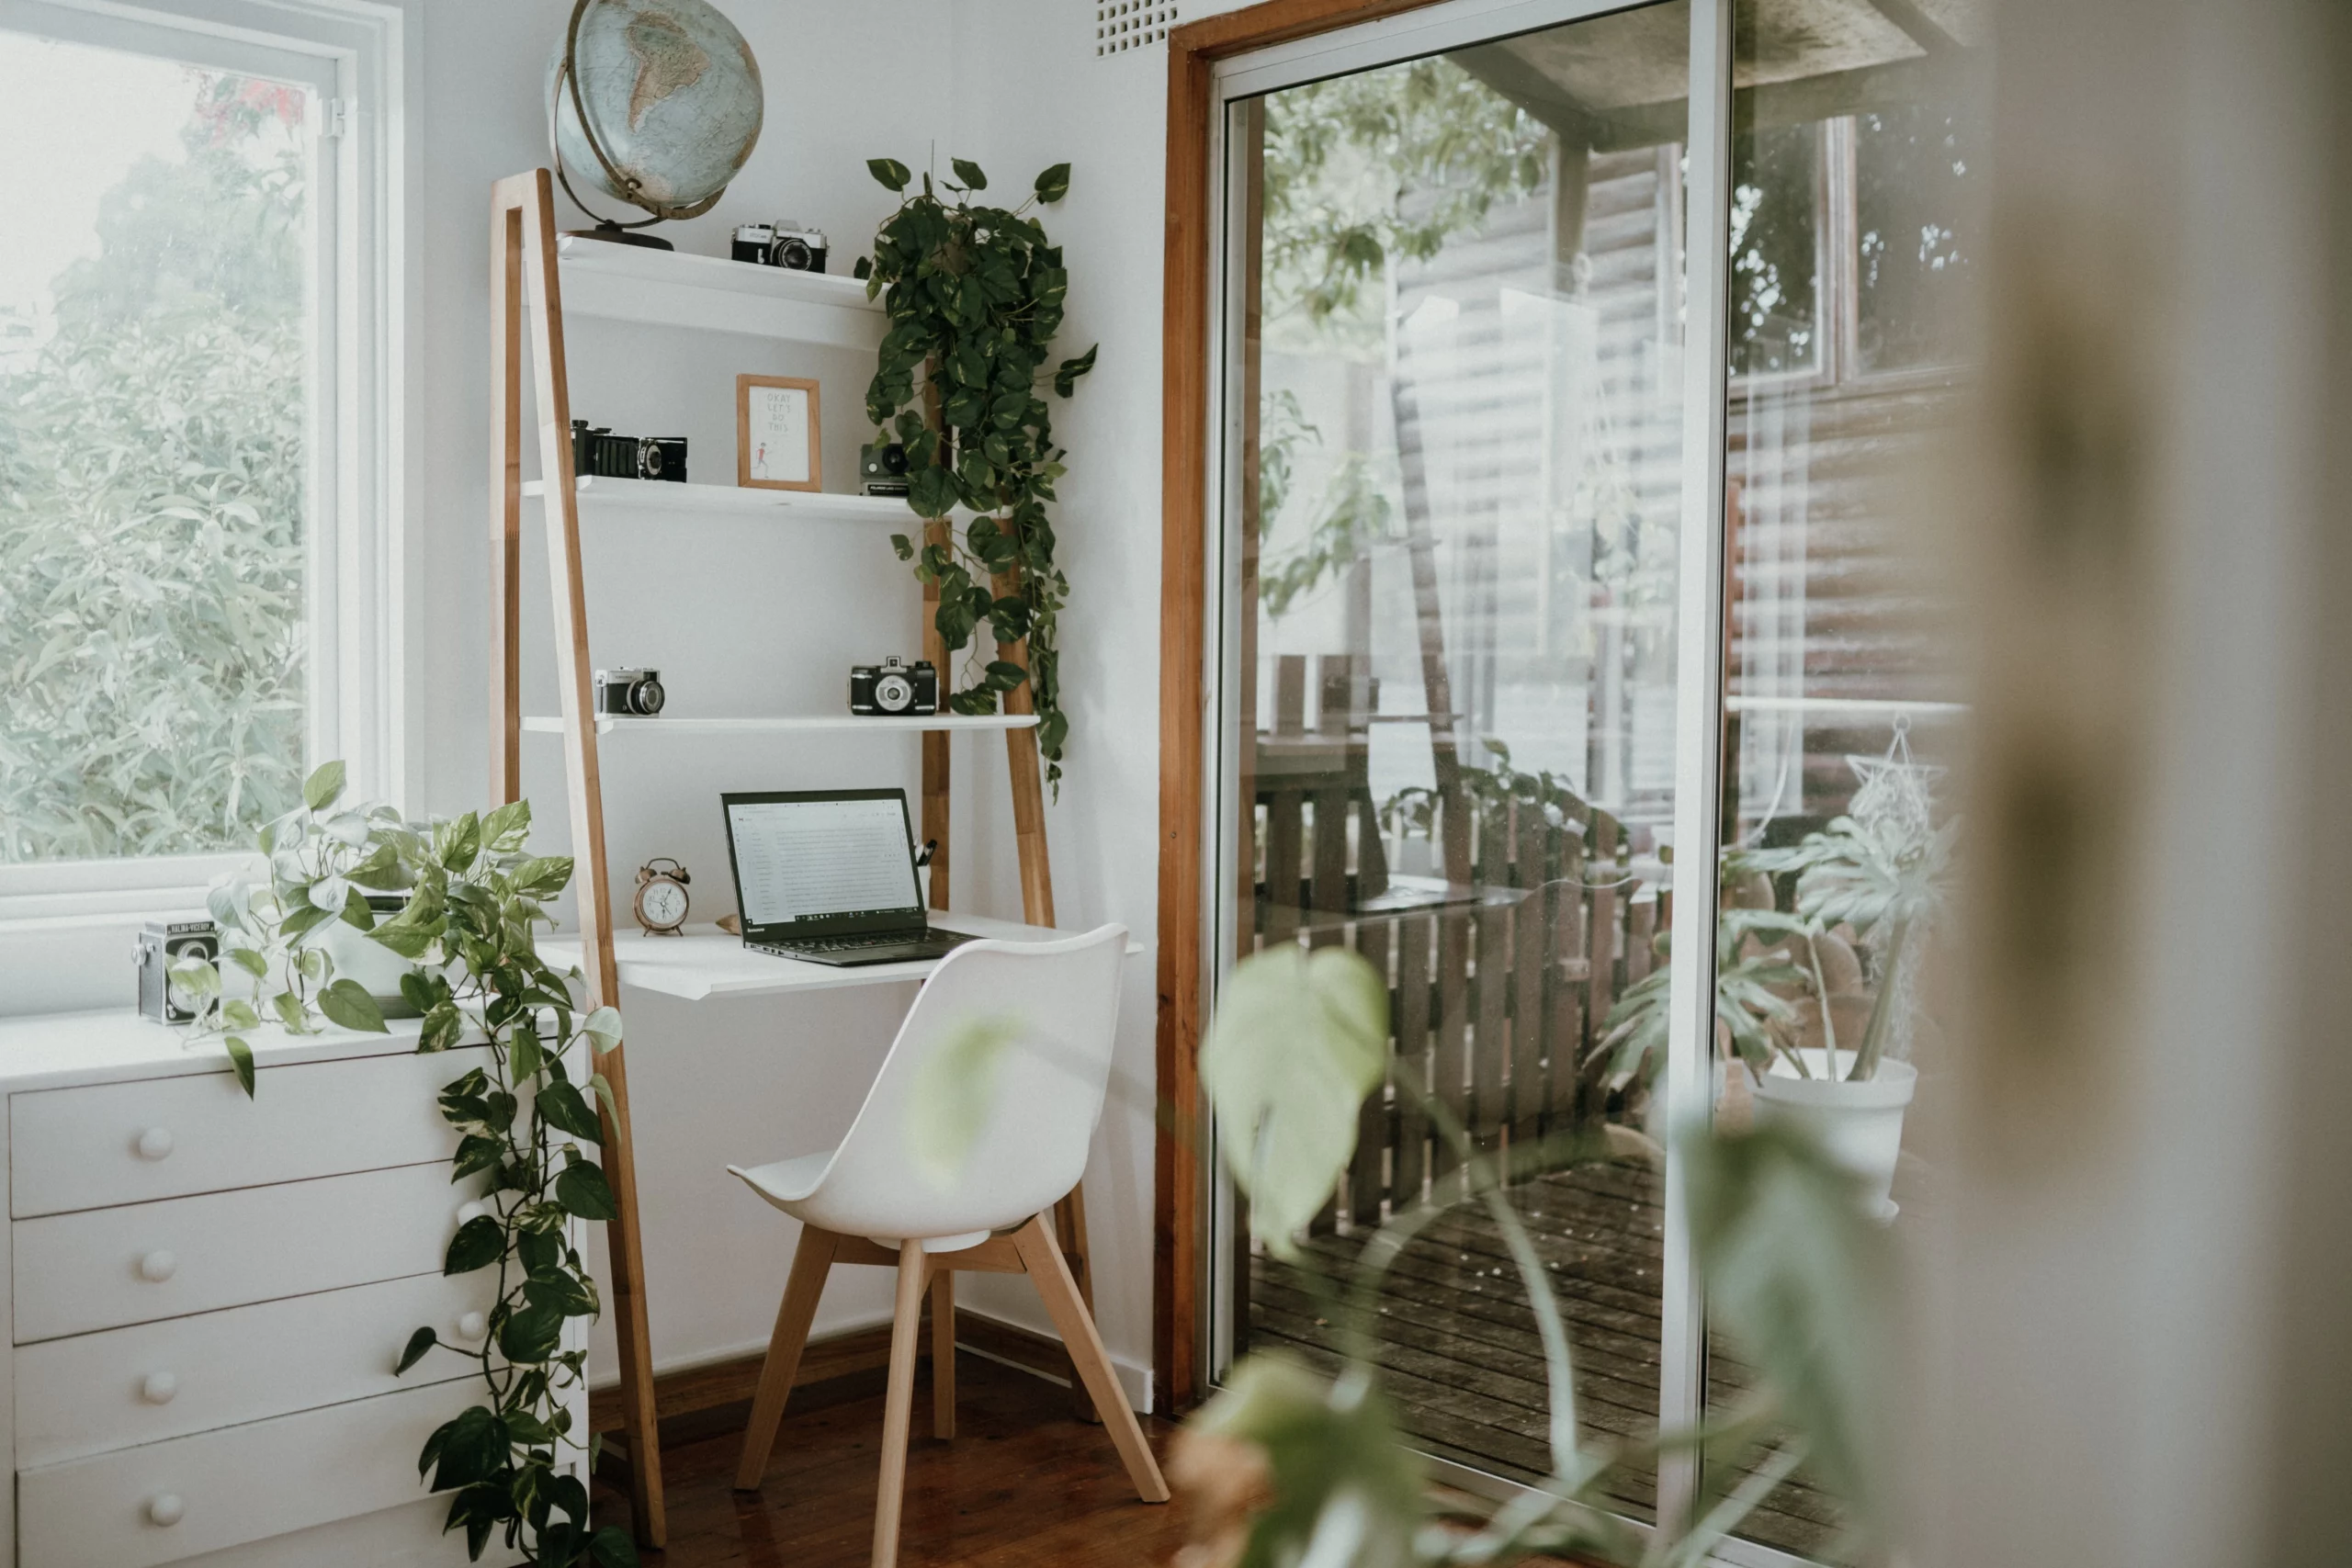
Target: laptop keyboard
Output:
[(838, 944)]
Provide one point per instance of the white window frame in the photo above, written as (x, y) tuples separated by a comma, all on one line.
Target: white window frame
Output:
[(357, 56)]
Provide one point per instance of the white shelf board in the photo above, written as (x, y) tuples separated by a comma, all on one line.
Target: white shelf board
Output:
[(792, 724), (703, 962), (631, 283), (733, 501)]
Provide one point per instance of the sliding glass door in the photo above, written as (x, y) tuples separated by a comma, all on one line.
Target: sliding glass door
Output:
[(1560, 350)]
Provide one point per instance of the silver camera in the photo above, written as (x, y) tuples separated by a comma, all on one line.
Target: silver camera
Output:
[(635, 693), (799, 248)]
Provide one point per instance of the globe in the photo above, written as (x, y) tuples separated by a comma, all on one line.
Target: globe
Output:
[(672, 96)]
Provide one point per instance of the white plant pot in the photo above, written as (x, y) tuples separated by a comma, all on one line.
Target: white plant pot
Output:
[(358, 956), (1861, 1124)]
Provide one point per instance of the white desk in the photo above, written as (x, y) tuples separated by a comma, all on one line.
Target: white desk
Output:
[(704, 962)]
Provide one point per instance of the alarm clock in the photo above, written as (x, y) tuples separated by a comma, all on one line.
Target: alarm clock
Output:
[(661, 895)]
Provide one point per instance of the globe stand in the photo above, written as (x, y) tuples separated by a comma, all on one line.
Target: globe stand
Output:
[(619, 236)]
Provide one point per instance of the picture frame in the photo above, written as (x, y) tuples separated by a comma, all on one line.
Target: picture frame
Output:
[(776, 433)]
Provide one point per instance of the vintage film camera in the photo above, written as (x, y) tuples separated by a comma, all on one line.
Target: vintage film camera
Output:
[(894, 686), (607, 456), (882, 469), (788, 244), (163, 944), (632, 694)]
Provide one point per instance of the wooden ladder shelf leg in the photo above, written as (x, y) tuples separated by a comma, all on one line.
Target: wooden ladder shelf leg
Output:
[(522, 268)]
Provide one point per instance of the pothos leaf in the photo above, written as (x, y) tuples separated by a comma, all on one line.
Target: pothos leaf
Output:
[(892, 174), (969, 173), (420, 1341), (582, 1191), (1054, 184), (1297, 1041), (325, 782), (241, 1062)]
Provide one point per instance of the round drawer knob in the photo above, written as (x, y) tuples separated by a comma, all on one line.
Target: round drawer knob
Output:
[(158, 1388), (155, 1143), (473, 1325), (468, 1213), (158, 1266), (165, 1510)]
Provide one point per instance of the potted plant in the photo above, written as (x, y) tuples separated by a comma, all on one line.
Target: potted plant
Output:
[(1783, 978)]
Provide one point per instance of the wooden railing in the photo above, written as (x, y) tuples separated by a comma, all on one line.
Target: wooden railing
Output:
[(1498, 991)]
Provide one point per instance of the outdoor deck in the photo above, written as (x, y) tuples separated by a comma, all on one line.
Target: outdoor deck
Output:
[(1458, 1342)]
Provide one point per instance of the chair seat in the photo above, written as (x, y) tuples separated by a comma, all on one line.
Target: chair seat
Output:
[(785, 1181)]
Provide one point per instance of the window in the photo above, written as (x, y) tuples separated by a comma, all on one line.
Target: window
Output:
[(194, 483)]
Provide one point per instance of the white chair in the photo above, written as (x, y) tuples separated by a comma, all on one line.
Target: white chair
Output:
[(873, 1199)]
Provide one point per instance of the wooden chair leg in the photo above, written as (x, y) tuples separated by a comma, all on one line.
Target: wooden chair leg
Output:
[(1070, 1234), (811, 1262), (942, 1354), (898, 1407), (1052, 1277)]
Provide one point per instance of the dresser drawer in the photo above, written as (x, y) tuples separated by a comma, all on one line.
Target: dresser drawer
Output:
[(108, 1268), (241, 1485), (92, 1393), (130, 1142), (407, 1537)]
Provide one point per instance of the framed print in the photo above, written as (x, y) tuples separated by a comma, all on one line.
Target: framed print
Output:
[(776, 433)]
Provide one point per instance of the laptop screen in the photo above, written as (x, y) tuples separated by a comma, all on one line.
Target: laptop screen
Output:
[(841, 859)]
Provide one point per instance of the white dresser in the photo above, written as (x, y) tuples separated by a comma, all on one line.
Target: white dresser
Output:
[(205, 1296)]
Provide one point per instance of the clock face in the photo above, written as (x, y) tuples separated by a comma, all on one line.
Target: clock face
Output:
[(661, 904)]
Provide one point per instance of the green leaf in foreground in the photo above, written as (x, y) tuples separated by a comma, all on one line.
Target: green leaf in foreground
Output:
[(1297, 1041), (420, 1341), (1344, 1488), (241, 1062), (1054, 184), (479, 1243), (319, 791), (582, 1189), (956, 1092), (892, 174), (1800, 1275), (346, 1002)]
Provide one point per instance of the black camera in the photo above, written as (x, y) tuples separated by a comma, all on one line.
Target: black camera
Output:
[(894, 686), (610, 457), (883, 468), (163, 944), (636, 693), (788, 244), (799, 249)]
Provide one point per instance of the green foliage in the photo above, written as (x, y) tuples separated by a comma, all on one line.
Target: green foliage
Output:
[(1298, 1040), (1414, 808), (1315, 1472), (474, 901), (153, 470), (1381, 164), (974, 298)]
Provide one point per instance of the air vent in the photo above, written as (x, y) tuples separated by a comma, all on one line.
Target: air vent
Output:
[(1122, 24)]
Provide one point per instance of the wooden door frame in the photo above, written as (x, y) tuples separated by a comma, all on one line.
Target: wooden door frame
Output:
[(1180, 1189)]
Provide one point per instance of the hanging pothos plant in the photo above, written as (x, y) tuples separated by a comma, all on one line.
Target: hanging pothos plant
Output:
[(526, 1123), (973, 296)]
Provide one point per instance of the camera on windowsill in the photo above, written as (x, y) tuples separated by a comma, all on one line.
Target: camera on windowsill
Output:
[(163, 944), (610, 457), (894, 686), (882, 469), (631, 693), (788, 244)]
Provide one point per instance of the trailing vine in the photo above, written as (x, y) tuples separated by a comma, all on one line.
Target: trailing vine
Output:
[(526, 1123), (974, 298)]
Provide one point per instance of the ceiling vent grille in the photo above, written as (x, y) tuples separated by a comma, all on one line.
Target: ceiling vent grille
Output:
[(1122, 24)]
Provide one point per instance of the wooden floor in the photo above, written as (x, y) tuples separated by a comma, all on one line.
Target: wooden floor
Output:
[(1458, 1342), (1024, 1484)]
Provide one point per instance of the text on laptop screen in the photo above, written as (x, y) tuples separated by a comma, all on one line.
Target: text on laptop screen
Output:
[(799, 859)]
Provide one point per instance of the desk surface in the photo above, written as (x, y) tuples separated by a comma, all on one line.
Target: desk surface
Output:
[(704, 962)]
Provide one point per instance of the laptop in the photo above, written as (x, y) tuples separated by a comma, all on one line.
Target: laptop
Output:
[(828, 876)]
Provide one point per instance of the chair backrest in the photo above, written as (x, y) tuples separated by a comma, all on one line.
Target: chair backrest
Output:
[(1049, 1012)]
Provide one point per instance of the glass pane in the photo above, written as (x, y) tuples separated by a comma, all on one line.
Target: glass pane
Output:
[(155, 379), (1461, 493), (1843, 689), (1776, 230)]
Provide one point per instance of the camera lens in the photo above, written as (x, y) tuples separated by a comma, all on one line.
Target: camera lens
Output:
[(893, 693), (893, 458), (648, 696), (649, 461), (793, 254)]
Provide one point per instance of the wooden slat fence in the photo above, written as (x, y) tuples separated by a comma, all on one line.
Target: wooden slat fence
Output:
[(1494, 1007)]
